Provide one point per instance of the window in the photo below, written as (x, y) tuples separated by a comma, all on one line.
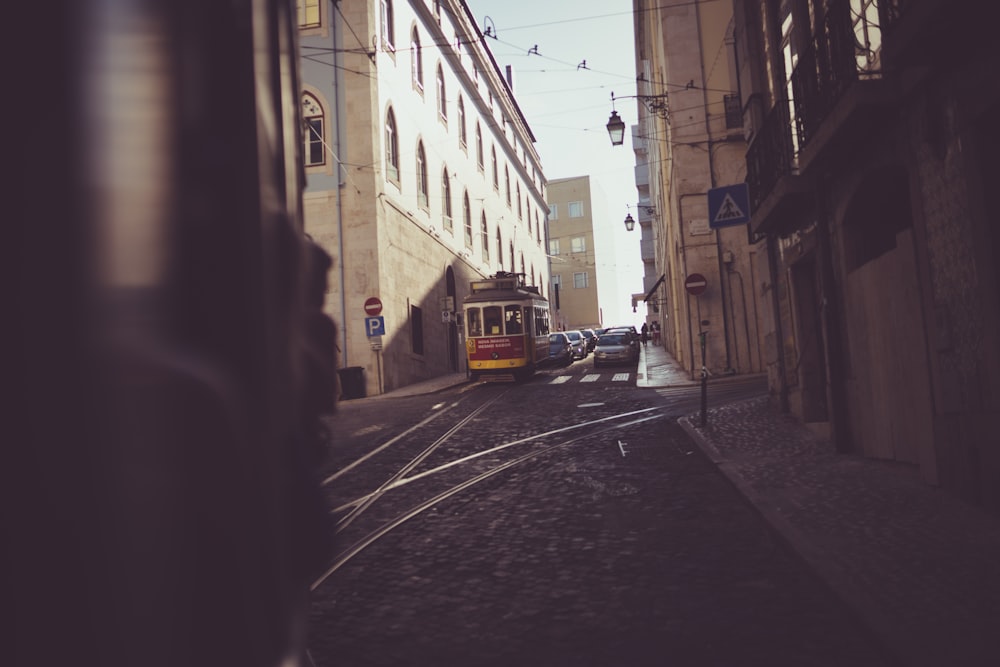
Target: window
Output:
[(437, 11), (580, 280), (553, 211), (312, 114), (486, 238), (446, 220), (474, 319), (492, 320), (479, 146), (308, 13), (499, 248), (388, 31), (575, 209), (416, 61), (441, 97), (467, 219), (462, 138), (520, 212), (391, 148), (416, 330), (513, 323), (506, 180), (578, 244), (556, 280), (496, 169), (553, 246), (421, 176)]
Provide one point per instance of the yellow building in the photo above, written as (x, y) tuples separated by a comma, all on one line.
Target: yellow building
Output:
[(573, 253)]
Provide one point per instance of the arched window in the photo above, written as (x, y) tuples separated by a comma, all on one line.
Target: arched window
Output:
[(523, 270), (486, 237), (441, 96), (496, 168), (513, 266), (416, 61), (388, 31), (421, 176), (446, 220), (499, 248), (462, 138), (467, 219), (479, 146), (312, 114), (506, 181), (391, 148), (520, 212)]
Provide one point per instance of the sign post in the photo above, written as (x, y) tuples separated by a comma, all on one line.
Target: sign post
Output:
[(696, 284)]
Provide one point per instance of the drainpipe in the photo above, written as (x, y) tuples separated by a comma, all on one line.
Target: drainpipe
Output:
[(340, 199)]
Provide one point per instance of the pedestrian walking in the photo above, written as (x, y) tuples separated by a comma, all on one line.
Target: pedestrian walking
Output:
[(655, 328), (644, 333)]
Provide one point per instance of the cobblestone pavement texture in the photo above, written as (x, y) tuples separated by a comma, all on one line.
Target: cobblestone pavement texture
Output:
[(583, 556)]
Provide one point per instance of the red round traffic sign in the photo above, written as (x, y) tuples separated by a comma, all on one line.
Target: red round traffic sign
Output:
[(695, 284), (373, 306)]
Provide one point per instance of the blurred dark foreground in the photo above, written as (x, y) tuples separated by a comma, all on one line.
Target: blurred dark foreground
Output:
[(164, 355)]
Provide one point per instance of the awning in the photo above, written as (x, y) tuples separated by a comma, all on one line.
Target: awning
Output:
[(653, 288)]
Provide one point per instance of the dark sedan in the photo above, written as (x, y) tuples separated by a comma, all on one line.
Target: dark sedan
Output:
[(560, 349)]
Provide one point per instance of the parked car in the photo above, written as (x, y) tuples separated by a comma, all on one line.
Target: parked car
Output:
[(615, 348), (579, 343), (591, 337), (560, 349)]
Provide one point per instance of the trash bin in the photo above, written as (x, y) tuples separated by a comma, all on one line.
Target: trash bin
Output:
[(352, 382)]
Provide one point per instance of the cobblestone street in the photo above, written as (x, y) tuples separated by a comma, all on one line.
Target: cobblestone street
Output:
[(627, 547)]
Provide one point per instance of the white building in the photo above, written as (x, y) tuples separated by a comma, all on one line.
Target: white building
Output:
[(422, 176)]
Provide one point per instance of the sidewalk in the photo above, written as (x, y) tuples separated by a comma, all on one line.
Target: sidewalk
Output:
[(918, 566)]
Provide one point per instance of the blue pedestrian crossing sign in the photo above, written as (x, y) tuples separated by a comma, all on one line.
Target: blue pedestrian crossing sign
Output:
[(728, 206)]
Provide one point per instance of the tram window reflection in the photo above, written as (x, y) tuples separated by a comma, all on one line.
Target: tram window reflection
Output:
[(493, 318), (513, 319), (475, 322)]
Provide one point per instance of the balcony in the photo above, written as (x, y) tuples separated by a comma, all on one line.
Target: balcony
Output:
[(839, 92), (778, 194)]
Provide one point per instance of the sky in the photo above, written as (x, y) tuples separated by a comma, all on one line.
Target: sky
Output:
[(585, 52)]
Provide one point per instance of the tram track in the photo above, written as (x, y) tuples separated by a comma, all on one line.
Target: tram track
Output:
[(374, 535), (434, 495)]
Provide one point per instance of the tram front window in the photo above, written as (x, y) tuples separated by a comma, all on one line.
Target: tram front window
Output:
[(475, 322), (493, 318), (513, 319)]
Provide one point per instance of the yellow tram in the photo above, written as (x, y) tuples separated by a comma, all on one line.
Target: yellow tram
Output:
[(507, 328)]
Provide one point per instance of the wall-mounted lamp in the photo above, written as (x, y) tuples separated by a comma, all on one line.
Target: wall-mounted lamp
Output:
[(655, 104), (629, 222)]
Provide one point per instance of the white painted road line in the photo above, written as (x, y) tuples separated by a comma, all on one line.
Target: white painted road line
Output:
[(590, 378), (620, 377), (560, 379)]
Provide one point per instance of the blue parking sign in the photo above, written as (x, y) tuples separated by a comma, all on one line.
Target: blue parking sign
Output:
[(375, 326)]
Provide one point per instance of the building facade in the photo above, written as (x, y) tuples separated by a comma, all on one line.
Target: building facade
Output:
[(687, 142), (573, 254), (422, 176), (872, 141)]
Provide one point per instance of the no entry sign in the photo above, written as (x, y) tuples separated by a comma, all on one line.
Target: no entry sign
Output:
[(373, 306), (695, 284)]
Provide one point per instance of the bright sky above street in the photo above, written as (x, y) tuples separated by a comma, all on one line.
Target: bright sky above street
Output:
[(568, 57)]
